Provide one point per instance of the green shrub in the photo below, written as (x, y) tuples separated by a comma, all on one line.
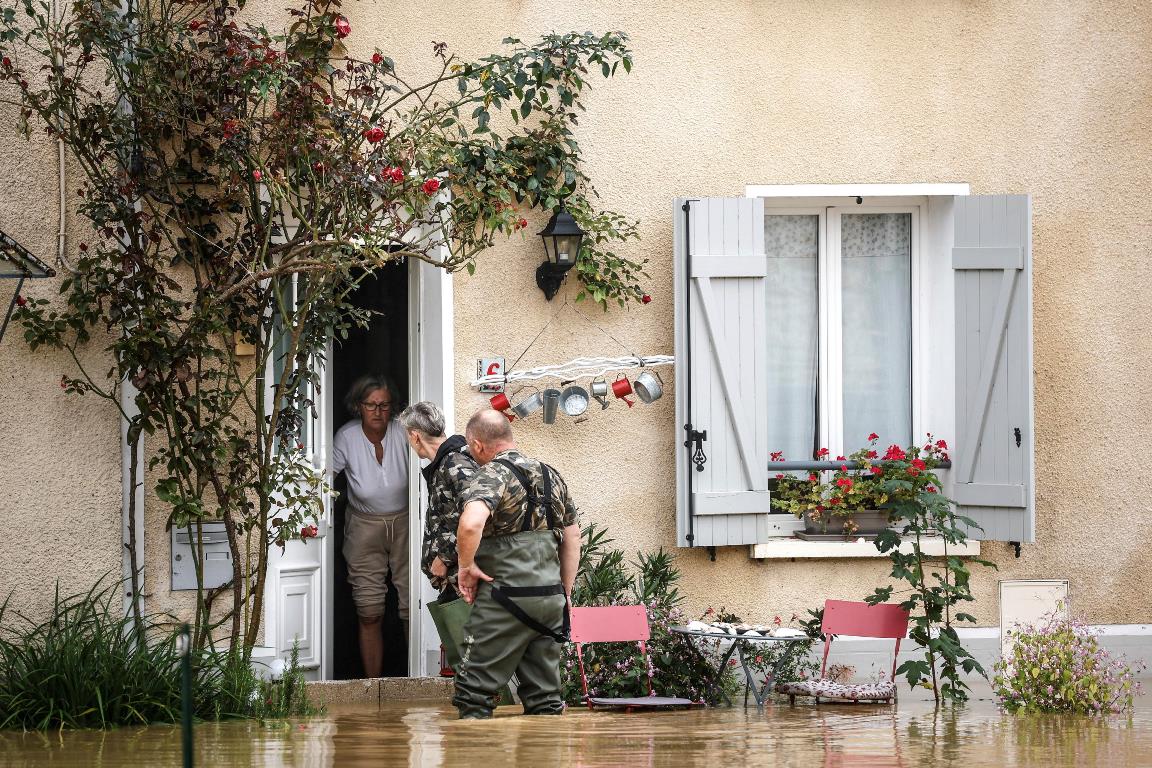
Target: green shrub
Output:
[(88, 666)]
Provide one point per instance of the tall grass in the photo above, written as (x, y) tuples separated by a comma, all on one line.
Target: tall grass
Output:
[(88, 666)]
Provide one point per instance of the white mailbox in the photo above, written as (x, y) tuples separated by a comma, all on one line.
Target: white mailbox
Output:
[(217, 557)]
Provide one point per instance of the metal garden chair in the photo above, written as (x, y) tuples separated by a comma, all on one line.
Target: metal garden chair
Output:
[(618, 624), (842, 617)]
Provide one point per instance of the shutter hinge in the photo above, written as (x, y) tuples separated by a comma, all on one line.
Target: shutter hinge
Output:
[(1016, 432), (698, 456), (712, 554), (1015, 546)]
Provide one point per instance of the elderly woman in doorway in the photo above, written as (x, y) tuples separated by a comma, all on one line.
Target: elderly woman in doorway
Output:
[(372, 451)]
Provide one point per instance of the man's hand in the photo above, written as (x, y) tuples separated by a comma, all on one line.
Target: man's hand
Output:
[(438, 568), (467, 581)]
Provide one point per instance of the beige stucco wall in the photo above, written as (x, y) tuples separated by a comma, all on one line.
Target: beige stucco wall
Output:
[(1040, 97)]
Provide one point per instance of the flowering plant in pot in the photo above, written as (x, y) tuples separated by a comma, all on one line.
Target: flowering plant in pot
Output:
[(859, 496)]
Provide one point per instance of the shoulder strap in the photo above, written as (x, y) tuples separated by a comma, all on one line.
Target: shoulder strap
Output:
[(541, 505)]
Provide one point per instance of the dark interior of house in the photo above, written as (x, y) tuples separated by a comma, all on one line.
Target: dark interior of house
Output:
[(382, 347)]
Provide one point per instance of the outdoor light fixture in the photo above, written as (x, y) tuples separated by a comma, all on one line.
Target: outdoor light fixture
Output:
[(16, 263), (562, 239)]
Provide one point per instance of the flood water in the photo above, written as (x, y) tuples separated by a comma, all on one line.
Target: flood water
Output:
[(427, 734)]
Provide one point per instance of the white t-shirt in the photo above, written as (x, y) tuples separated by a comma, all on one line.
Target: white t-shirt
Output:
[(373, 488)]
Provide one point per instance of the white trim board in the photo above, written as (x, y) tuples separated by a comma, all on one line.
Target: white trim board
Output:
[(789, 548), (856, 190)]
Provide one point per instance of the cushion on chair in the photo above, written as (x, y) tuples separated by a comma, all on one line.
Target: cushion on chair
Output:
[(827, 689), (649, 702)]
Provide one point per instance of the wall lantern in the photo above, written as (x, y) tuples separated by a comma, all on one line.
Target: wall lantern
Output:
[(562, 239), (16, 263)]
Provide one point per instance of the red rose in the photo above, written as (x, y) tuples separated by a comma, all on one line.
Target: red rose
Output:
[(7, 62), (374, 134), (396, 174), (256, 175), (873, 436), (318, 167), (327, 99), (377, 58), (194, 25), (343, 28), (21, 301), (646, 299), (230, 128), (430, 186)]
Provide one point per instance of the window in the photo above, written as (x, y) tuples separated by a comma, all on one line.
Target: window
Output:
[(812, 320), (840, 319)]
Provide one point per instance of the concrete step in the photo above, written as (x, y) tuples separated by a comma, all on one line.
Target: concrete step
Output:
[(380, 689)]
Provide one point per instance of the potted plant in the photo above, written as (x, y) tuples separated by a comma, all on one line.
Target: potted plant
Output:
[(858, 498)]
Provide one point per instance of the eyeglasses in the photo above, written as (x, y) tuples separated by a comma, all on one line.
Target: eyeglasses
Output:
[(377, 407)]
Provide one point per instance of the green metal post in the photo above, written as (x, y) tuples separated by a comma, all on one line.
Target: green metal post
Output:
[(186, 692)]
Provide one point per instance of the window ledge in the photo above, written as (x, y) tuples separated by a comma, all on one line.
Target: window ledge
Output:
[(788, 548)]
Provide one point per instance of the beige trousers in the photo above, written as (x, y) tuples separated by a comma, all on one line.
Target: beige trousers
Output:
[(373, 545)]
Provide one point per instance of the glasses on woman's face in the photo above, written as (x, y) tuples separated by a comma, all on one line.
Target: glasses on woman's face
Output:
[(375, 407)]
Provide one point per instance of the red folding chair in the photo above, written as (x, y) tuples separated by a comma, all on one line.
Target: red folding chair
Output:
[(618, 624), (842, 617)]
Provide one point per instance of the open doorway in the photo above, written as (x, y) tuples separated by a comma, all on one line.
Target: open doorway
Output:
[(382, 348)]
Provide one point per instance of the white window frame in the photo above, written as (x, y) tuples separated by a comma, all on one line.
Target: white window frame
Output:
[(828, 271), (933, 391)]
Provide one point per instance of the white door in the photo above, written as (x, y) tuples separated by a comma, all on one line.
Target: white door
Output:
[(298, 608), (430, 361)]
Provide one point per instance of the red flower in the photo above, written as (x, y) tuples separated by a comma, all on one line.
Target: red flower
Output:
[(430, 186), (374, 134), (877, 470), (521, 223), (257, 175), (872, 455), (777, 456), (646, 299), (327, 99), (873, 436), (194, 25), (7, 62), (318, 166), (821, 453), (842, 458), (930, 488), (813, 478), (834, 500), (895, 453), (919, 464), (21, 301), (942, 445), (845, 483), (377, 58), (776, 621), (230, 128), (396, 174), (779, 475), (308, 531), (343, 28)]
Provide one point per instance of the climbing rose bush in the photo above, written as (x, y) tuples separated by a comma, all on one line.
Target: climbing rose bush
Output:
[(1057, 665)]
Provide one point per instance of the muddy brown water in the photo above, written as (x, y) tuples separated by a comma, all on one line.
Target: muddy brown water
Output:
[(427, 734)]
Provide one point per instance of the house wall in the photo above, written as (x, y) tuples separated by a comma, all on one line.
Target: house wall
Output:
[(1010, 96)]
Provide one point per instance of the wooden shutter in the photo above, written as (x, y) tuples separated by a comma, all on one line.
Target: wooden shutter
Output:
[(993, 466), (721, 362)]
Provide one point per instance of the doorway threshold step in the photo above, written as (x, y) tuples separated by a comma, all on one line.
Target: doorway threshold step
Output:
[(377, 690)]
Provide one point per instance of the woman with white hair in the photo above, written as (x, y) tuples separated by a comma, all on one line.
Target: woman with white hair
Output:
[(449, 469), (371, 451)]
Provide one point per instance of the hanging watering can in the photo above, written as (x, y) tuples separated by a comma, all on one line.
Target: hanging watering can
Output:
[(649, 386), (600, 392), (622, 388)]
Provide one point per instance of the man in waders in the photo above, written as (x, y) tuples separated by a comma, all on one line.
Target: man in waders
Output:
[(518, 547)]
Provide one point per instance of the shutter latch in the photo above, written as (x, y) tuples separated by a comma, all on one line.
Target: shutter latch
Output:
[(1016, 432), (695, 437)]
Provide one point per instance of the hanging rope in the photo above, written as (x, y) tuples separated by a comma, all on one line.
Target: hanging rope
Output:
[(579, 368)]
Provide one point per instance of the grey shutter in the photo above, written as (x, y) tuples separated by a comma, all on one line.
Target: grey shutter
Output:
[(993, 468), (720, 336)]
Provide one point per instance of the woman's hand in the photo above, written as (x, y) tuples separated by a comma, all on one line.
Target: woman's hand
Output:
[(438, 568)]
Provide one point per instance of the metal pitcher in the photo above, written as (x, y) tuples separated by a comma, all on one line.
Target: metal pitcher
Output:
[(600, 392), (648, 386)]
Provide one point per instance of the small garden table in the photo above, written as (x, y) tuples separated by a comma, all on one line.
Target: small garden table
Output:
[(760, 693)]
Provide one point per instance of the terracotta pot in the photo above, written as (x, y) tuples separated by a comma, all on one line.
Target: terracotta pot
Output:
[(869, 522)]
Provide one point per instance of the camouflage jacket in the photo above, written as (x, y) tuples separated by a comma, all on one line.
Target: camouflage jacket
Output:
[(450, 473), (496, 486)]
